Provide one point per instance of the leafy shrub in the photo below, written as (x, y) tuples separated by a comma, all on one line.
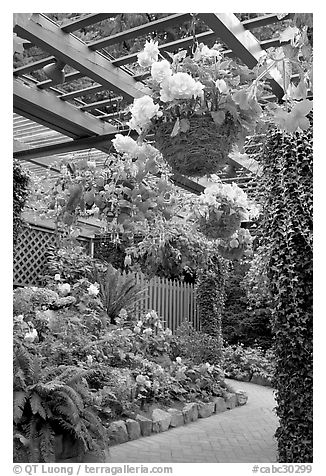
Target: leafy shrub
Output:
[(242, 363), (244, 321), (70, 261), (195, 346)]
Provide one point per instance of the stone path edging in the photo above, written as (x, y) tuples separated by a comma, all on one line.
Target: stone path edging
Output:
[(243, 435), (122, 431)]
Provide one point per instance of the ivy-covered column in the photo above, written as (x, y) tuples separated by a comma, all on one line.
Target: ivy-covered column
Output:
[(210, 292), (287, 228), (20, 193)]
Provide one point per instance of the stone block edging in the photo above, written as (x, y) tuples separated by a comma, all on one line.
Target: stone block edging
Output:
[(122, 431)]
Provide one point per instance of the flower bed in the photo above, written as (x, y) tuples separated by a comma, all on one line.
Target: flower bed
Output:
[(75, 373), (249, 364)]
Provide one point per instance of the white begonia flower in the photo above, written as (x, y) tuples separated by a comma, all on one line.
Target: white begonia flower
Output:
[(125, 145), (141, 379), (139, 323), (180, 86), (148, 331), (89, 359), (93, 289), (168, 332), (136, 330), (178, 360), (57, 277), (221, 85), (19, 318), (123, 314), (149, 55), (64, 288), (31, 336), (161, 70), (142, 111)]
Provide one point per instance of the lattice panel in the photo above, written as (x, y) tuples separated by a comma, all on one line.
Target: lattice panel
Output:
[(29, 255)]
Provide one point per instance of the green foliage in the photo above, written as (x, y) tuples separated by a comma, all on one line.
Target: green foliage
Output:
[(70, 261), (210, 289), (242, 363), (244, 321), (20, 193), (195, 346), (47, 405), (117, 291), (287, 232), (172, 250)]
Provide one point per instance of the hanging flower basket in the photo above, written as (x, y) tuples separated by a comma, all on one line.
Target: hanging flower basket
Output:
[(231, 253), (202, 150), (219, 224)]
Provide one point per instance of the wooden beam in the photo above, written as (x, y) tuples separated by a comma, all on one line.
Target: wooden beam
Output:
[(67, 146), (141, 30), (82, 92), (43, 107), (28, 68), (104, 102), (85, 21), (243, 43), (70, 50), (264, 21), (68, 78)]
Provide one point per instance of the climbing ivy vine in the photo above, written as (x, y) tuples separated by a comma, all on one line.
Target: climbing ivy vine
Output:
[(210, 291), (287, 230)]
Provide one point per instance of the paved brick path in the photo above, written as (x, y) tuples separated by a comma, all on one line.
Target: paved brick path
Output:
[(242, 435)]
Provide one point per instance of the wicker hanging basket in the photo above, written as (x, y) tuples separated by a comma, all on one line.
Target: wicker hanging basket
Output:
[(217, 226), (202, 150)]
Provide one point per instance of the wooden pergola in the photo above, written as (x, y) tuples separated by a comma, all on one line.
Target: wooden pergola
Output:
[(50, 123)]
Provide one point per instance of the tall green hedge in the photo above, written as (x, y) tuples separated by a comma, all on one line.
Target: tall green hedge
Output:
[(287, 229), (20, 193)]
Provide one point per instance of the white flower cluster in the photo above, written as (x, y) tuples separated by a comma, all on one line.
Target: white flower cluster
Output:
[(231, 192), (93, 289), (127, 145), (143, 380), (142, 111), (64, 288), (180, 86), (241, 237), (149, 54), (31, 335)]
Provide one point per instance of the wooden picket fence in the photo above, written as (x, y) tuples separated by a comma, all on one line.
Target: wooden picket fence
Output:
[(174, 301)]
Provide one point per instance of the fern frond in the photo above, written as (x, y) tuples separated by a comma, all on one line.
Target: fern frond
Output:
[(24, 361), (69, 392), (96, 426), (35, 402), (47, 444), (20, 398)]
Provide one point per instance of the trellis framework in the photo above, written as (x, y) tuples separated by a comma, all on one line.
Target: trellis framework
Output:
[(50, 122)]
